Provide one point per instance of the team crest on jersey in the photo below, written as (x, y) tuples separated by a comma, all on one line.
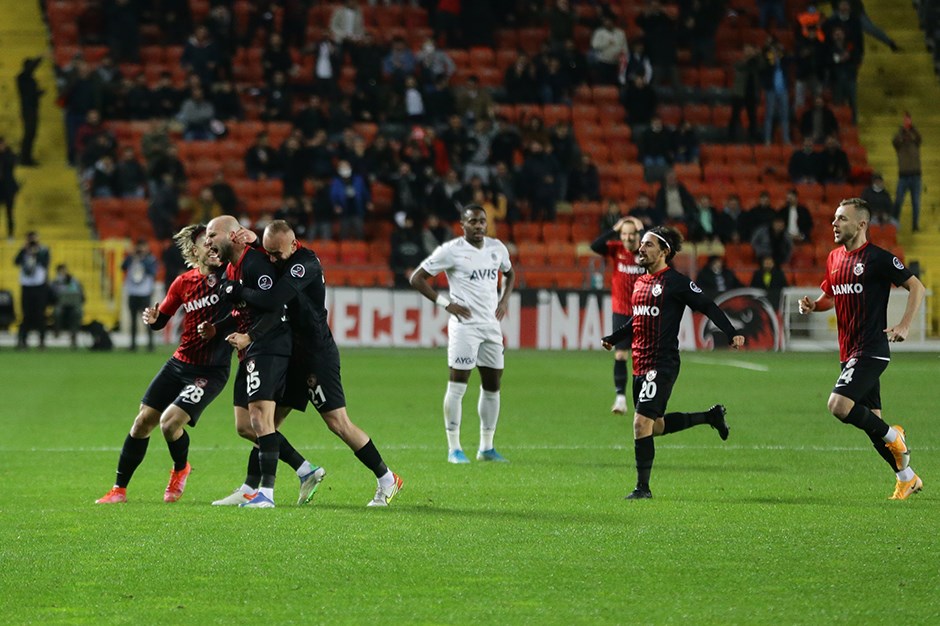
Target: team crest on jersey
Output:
[(851, 363), (212, 280), (265, 282), (201, 382), (298, 271), (694, 287), (312, 381), (651, 375), (657, 290), (858, 269), (250, 365), (897, 263)]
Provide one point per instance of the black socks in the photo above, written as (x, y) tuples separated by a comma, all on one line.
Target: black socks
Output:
[(132, 453), (371, 458)]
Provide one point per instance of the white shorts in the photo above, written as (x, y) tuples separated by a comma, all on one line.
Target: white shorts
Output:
[(472, 345)]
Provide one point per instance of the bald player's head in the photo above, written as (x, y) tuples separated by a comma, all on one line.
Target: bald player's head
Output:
[(279, 241), (219, 234)]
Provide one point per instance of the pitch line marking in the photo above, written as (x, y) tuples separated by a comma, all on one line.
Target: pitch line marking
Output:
[(745, 365)]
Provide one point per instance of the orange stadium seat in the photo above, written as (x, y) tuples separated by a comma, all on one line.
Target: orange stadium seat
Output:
[(353, 252), (569, 279), (556, 232), (538, 279), (525, 232), (698, 114), (531, 253)]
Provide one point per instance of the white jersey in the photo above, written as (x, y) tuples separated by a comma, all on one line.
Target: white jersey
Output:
[(472, 273)]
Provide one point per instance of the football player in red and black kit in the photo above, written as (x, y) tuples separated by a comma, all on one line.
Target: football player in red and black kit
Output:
[(314, 374), (191, 379), (262, 368), (858, 282), (659, 300), (619, 244)]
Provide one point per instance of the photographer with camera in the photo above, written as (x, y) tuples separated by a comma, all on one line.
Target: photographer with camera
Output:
[(33, 261)]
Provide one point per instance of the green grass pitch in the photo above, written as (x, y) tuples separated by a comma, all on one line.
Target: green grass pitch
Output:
[(787, 522)]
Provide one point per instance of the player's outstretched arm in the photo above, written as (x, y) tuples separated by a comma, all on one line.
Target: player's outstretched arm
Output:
[(899, 331), (617, 336), (822, 303)]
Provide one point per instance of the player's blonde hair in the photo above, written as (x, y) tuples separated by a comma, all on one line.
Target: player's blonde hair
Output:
[(185, 240)]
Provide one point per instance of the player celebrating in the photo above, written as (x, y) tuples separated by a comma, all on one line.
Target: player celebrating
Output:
[(620, 244), (263, 364), (858, 281), (659, 300), (314, 373), (190, 379), (472, 264)]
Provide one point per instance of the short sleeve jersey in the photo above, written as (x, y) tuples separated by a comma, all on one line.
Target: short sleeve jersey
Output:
[(196, 294), (472, 273), (255, 271), (659, 300), (859, 283), (626, 271)]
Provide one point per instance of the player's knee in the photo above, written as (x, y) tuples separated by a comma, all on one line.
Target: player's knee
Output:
[(839, 406), (172, 423), (146, 420)]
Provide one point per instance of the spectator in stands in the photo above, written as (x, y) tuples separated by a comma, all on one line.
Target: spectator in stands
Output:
[(656, 145), (201, 56), (844, 61), (204, 207), (123, 27), (834, 162), (850, 23), (495, 208), (85, 137), (326, 68), (221, 25), (797, 217), (773, 240), (311, 117), (175, 20), (434, 63), (775, 10), (409, 196), (805, 165), (702, 222), (857, 9), (164, 206), (294, 165), (745, 93), (714, 278), (165, 98), (347, 25), (521, 81), (574, 63), (196, 115), (699, 20), (439, 102), (554, 83), (8, 185), (139, 98), (639, 98), (226, 101), (436, 232), (533, 129), (81, 95), (612, 216), (275, 58), (584, 183), (608, 48), (101, 146), (408, 249), (773, 79), (324, 216), (637, 65), (278, 99), (479, 146), (224, 194), (33, 261), (381, 158), (505, 188), (104, 181), (68, 297), (351, 200), (414, 101), (561, 22), (473, 101), (140, 275), (728, 218), (906, 144), (687, 143), (29, 94), (661, 35), (443, 200), (446, 21), (167, 163), (261, 160), (539, 176), (819, 121), (298, 213), (646, 211), (756, 217), (810, 58), (565, 149), (879, 201), (673, 201), (399, 63), (769, 277)]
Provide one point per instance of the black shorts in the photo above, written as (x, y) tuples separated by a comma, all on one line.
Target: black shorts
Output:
[(190, 387), (619, 320), (651, 391), (315, 377), (860, 381), (259, 378)]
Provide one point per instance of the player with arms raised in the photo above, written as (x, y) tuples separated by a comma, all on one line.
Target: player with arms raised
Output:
[(190, 379), (659, 300), (620, 244), (475, 339), (858, 282)]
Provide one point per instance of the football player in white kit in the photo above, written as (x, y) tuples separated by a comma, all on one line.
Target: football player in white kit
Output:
[(476, 306)]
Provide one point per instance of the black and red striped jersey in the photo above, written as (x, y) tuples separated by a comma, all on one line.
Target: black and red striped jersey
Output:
[(625, 273), (659, 301), (196, 294), (255, 271), (859, 283)]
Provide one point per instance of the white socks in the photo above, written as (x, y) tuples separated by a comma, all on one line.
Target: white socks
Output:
[(891, 436), (304, 469), (905, 474), (453, 401), (247, 490), (387, 479), (488, 406)]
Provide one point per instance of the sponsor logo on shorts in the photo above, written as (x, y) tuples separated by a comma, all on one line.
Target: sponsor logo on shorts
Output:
[(298, 271), (265, 282), (464, 360)]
